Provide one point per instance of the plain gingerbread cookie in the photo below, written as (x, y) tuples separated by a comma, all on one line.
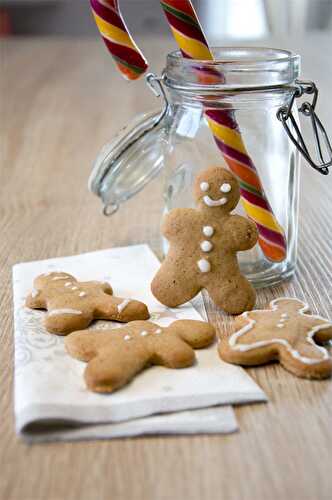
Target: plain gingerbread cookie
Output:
[(73, 305), (115, 356), (282, 333), (203, 247)]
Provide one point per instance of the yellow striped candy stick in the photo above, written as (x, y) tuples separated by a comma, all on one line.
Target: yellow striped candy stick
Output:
[(116, 36), (190, 38)]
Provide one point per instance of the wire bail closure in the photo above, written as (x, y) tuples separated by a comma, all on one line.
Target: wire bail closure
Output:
[(320, 134)]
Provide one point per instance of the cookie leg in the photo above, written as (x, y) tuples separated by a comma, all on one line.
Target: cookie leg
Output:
[(62, 324), (174, 353), (123, 310), (197, 334), (234, 295), (300, 364), (174, 287), (115, 366)]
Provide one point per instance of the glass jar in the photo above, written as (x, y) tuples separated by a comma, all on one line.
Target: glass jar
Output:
[(252, 90)]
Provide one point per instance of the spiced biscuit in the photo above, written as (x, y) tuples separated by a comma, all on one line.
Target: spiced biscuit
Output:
[(203, 247), (116, 356), (73, 305), (283, 333)]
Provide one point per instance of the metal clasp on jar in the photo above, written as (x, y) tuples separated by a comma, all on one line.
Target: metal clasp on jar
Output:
[(320, 135)]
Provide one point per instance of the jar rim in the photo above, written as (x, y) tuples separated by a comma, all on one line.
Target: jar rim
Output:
[(237, 67), (223, 52)]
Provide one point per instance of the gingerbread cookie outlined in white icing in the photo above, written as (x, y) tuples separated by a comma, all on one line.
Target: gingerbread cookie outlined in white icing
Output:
[(282, 332)]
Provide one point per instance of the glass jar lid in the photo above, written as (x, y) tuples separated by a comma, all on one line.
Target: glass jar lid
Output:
[(126, 164)]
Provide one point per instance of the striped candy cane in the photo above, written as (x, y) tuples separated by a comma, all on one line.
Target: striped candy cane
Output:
[(192, 42), (190, 37), (120, 44)]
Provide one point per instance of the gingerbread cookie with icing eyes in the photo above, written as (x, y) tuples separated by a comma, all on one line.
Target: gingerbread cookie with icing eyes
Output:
[(115, 356), (73, 305), (203, 247), (282, 333)]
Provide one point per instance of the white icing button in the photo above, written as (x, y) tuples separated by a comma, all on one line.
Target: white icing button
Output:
[(204, 186), (158, 331), (82, 294), (225, 188), (204, 265), (144, 334), (206, 246), (127, 337), (208, 231), (69, 283), (280, 325), (74, 288), (284, 315)]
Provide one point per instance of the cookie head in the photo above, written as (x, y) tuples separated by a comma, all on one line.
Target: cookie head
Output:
[(54, 278), (217, 188)]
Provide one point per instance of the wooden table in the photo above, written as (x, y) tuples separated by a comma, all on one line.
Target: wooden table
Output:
[(60, 102)]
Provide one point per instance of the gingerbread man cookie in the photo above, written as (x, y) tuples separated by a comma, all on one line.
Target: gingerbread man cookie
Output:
[(203, 247), (282, 333), (73, 305), (115, 356)]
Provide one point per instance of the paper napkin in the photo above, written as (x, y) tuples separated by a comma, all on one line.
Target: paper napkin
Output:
[(51, 400)]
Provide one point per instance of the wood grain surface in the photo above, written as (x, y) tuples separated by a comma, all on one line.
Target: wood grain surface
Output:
[(60, 101)]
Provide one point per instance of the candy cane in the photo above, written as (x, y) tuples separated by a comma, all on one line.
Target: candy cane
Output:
[(190, 37), (193, 44), (116, 36)]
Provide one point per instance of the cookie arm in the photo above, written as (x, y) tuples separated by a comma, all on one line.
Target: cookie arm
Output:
[(36, 300), (244, 234), (177, 222), (197, 334), (84, 344)]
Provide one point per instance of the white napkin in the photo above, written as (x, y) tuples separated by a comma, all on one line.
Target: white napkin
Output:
[(51, 400)]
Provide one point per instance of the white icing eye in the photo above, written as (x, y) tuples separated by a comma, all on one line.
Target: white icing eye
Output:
[(225, 188), (208, 231), (205, 186)]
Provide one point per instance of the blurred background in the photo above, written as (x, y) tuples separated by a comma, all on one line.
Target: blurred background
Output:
[(220, 18)]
